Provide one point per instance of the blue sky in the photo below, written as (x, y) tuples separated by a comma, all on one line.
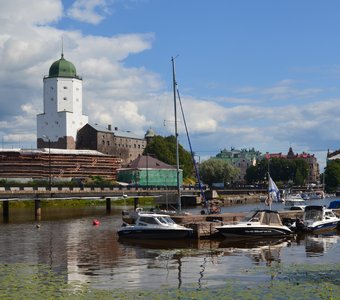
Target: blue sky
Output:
[(262, 74)]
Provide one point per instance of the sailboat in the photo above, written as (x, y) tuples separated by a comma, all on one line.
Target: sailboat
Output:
[(207, 209), (174, 84)]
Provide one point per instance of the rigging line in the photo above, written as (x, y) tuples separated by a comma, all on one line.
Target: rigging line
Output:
[(192, 153)]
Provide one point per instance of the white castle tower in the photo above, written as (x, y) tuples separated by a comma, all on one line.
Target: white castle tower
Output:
[(58, 125)]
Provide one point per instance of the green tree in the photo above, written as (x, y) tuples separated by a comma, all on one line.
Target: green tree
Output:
[(298, 178), (164, 149), (217, 170), (280, 169), (332, 175)]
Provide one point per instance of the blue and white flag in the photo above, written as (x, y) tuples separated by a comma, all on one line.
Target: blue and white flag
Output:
[(273, 191)]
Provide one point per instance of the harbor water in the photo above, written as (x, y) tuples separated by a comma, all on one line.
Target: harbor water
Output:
[(66, 242)]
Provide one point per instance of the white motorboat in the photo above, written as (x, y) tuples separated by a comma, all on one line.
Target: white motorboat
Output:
[(319, 219), (154, 226), (263, 223), (295, 204), (293, 197)]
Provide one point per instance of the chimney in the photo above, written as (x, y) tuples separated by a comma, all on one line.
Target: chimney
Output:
[(109, 127)]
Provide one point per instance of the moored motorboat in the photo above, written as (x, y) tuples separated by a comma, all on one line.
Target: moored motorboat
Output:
[(319, 219), (154, 226), (295, 204), (263, 223)]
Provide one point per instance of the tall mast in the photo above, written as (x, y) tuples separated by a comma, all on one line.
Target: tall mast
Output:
[(174, 83)]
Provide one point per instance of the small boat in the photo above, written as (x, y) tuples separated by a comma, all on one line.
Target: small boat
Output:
[(263, 223), (319, 219), (295, 204), (293, 197), (317, 195), (154, 226), (305, 196)]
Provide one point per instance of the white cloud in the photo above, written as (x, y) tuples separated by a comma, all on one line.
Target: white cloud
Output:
[(90, 11), (29, 13)]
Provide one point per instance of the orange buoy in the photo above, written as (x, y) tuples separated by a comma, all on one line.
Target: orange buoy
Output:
[(95, 222)]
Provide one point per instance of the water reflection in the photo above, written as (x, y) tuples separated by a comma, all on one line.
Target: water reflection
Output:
[(93, 255), (259, 250), (319, 245)]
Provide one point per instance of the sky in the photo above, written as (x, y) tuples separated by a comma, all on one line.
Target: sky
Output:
[(251, 74)]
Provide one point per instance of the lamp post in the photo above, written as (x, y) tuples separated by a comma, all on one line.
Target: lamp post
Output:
[(49, 162)]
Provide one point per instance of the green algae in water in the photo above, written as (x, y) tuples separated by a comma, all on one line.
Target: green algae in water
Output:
[(298, 281)]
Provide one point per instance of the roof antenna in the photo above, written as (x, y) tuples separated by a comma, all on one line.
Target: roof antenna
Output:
[(62, 47)]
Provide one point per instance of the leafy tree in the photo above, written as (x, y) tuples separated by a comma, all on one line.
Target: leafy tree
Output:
[(217, 170), (298, 178), (281, 169), (164, 149), (332, 175)]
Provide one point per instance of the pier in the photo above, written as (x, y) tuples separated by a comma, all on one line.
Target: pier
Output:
[(39, 194)]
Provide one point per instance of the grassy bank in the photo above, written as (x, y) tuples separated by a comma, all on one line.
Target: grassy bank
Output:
[(145, 201)]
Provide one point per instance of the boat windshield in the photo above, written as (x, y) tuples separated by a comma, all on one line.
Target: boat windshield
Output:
[(147, 220), (166, 220), (254, 218), (329, 214), (315, 215)]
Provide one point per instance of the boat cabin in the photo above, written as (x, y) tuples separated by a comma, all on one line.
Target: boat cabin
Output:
[(265, 217), (154, 219), (318, 213)]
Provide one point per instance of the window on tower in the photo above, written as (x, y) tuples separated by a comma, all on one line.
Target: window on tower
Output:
[(65, 98)]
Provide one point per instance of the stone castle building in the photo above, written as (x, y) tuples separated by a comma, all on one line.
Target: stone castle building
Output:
[(67, 145), (58, 125), (62, 125), (122, 144)]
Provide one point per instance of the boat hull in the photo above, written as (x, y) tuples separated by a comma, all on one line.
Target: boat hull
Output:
[(323, 228), (259, 231), (155, 233)]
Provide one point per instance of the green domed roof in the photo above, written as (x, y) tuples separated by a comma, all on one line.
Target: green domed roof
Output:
[(62, 68), (150, 133)]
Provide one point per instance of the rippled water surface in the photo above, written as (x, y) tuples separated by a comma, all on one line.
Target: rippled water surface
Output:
[(67, 243)]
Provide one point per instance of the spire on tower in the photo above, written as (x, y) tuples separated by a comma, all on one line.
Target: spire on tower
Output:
[(62, 47)]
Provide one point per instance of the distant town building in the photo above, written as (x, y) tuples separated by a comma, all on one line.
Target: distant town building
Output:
[(314, 171), (122, 144), (333, 155), (149, 135), (240, 159), (148, 171)]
